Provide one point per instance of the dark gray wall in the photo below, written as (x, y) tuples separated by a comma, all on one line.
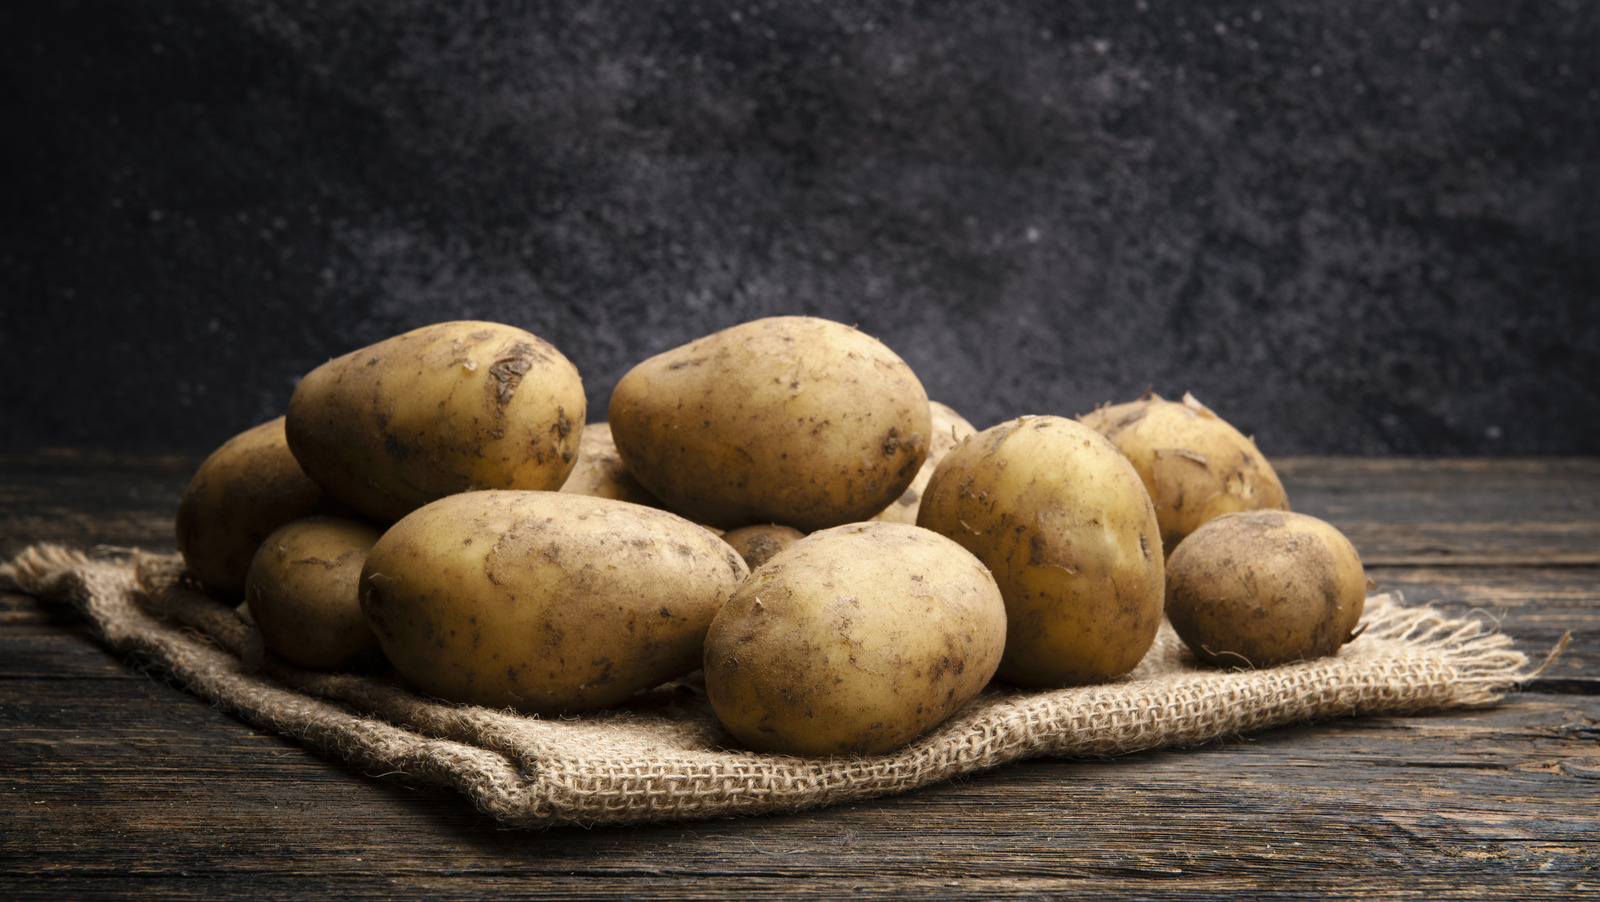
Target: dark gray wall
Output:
[(1356, 227)]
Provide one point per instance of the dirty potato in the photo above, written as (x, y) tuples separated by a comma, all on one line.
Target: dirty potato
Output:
[(302, 592), (949, 429), (854, 641), (244, 490), (546, 602), (1063, 521), (757, 544), (1261, 588), (1194, 464), (447, 408), (600, 472), (788, 419)]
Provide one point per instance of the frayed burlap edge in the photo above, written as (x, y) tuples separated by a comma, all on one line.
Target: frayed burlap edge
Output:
[(664, 757)]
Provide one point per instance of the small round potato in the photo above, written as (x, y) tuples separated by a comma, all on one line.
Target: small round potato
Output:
[(244, 490), (854, 641), (447, 408), (757, 544), (949, 430), (1261, 588), (547, 602), (1193, 463), (600, 471), (787, 419), (302, 592), (1063, 521)]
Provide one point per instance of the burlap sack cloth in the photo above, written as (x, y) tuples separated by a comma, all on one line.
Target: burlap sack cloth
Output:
[(665, 757)]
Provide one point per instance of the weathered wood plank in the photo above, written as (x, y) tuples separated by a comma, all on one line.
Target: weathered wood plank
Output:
[(142, 784), (1494, 512), (86, 499), (1536, 606), (116, 785)]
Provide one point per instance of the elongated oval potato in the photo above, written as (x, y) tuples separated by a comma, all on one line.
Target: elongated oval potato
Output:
[(546, 602), (1194, 464), (788, 419), (302, 592), (854, 640), (1262, 588), (1063, 521), (949, 430), (238, 495), (447, 408)]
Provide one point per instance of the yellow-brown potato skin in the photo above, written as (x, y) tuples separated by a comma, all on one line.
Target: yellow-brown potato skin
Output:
[(791, 419), (1262, 588), (1194, 464), (302, 592), (238, 495), (600, 472), (758, 543), (1062, 520), (546, 602), (854, 641), (949, 430), (447, 408)]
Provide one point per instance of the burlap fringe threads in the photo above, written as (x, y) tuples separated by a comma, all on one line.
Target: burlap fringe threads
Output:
[(664, 758)]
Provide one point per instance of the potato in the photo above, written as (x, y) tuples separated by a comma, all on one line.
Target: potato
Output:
[(302, 592), (789, 419), (546, 602), (447, 408), (757, 544), (600, 472), (1063, 521), (244, 490), (854, 641), (1193, 463), (1262, 588), (949, 428)]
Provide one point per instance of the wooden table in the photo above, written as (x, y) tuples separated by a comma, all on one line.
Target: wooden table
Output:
[(114, 784)]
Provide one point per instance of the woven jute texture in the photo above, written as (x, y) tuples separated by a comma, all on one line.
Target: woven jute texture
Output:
[(664, 757)]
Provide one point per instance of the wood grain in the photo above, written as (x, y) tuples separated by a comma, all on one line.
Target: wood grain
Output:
[(118, 785)]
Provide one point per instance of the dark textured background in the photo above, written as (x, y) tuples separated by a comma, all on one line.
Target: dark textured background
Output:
[(1356, 227)]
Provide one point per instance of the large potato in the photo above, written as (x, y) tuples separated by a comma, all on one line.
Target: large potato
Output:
[(789, 419), (244, 490), (854, 640), (447, 408), (1261, 588), (1064, 523), (1194, 464), (949, 430), (545, 602), (302, 592)]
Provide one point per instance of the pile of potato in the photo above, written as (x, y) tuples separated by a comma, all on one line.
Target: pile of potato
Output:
[(778, 505)]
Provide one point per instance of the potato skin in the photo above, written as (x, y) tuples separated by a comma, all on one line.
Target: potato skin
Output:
[(788, 419), (1262, 588), (1194, 464), (854, 641), (238, 495), (600, 472), (446, 408), (547, 602), (758, 543), (949, 430), (1064, 523), (302, 592)]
